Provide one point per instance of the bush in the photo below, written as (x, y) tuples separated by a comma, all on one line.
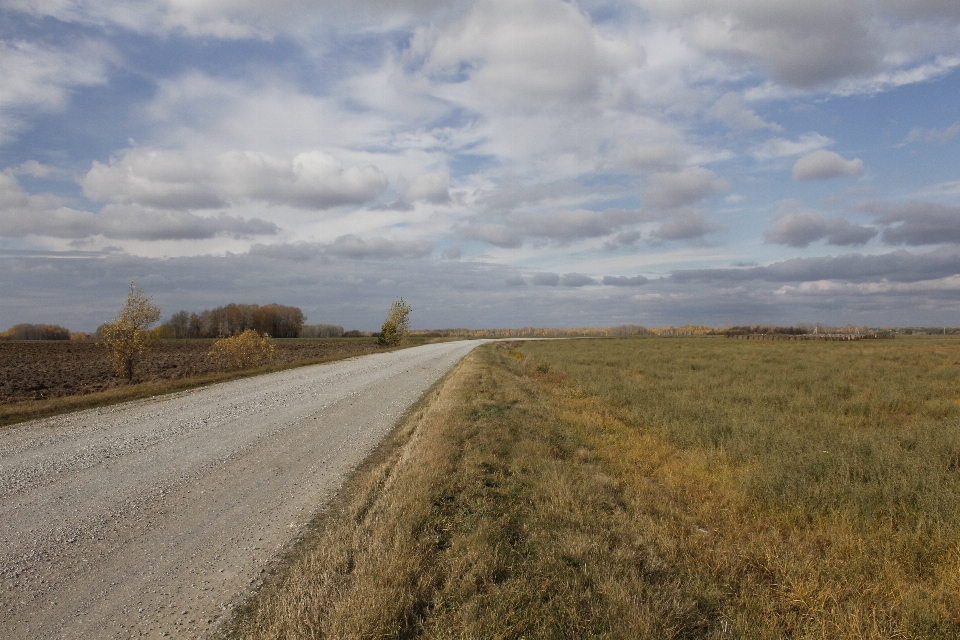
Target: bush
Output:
[(243, 351)]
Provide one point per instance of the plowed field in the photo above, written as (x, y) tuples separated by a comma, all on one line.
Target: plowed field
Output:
[(47, 369)]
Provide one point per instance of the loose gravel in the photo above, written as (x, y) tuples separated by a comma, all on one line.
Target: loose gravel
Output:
[(156, 517)]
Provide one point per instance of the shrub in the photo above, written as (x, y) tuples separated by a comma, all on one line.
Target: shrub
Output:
[(243, 351)]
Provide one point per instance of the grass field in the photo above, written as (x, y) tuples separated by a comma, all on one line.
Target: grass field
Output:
[(649, 488)]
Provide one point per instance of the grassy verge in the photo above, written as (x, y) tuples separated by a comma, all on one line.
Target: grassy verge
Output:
[(15, 413), (649, 488)]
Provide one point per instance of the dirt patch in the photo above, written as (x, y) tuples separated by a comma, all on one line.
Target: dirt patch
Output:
[(51, 369)]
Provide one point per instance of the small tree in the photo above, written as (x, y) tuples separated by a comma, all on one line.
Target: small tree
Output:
[(394, 329), (128, 337), (242, 351)]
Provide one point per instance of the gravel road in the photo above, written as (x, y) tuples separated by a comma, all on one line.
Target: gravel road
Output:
[(153, 518)]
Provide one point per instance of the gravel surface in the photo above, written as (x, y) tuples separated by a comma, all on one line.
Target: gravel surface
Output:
[(154, 518)]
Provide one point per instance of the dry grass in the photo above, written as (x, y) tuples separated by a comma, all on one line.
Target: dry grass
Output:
[(649, 488)]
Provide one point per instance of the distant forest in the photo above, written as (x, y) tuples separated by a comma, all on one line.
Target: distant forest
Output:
[(36, 332), (280, 321), (276, 320)]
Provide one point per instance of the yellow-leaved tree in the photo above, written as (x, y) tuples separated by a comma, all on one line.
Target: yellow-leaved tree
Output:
[(395, 327), (129, 337)]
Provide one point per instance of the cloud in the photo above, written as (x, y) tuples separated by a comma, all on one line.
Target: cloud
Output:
[(823, 164), (811, 46), (576, 280), (39, 78), (142, 224), (781, 147), (802, 46), (47, 215), (898, 266), (933, 135), (356, 248), (33, 169), (800, 228), (431, 187), (916, 223), (521, 54), (241, 19), (679, 188), (638, 157), (498, 235), (624, 281), (511, 193), (349, 247), (313, 180), (686, 225), (841, 233), (452, 253), (729, 109), (621, 240), (545, 279), (293, 251), (165, 179), (177, 180), (561, 225)]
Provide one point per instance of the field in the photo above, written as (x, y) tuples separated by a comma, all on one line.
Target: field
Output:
[(649, 488), (33, 370)]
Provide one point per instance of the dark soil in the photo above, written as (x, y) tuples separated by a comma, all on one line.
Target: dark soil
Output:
[(32, 370)]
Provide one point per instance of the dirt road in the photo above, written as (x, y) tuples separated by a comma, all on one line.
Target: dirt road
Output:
[(154, 518)]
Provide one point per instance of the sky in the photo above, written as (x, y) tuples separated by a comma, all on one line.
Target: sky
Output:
[(496, 163)]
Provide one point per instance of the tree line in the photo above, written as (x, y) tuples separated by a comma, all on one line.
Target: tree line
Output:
[(275, 320), (35, 332), (534, 332)]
